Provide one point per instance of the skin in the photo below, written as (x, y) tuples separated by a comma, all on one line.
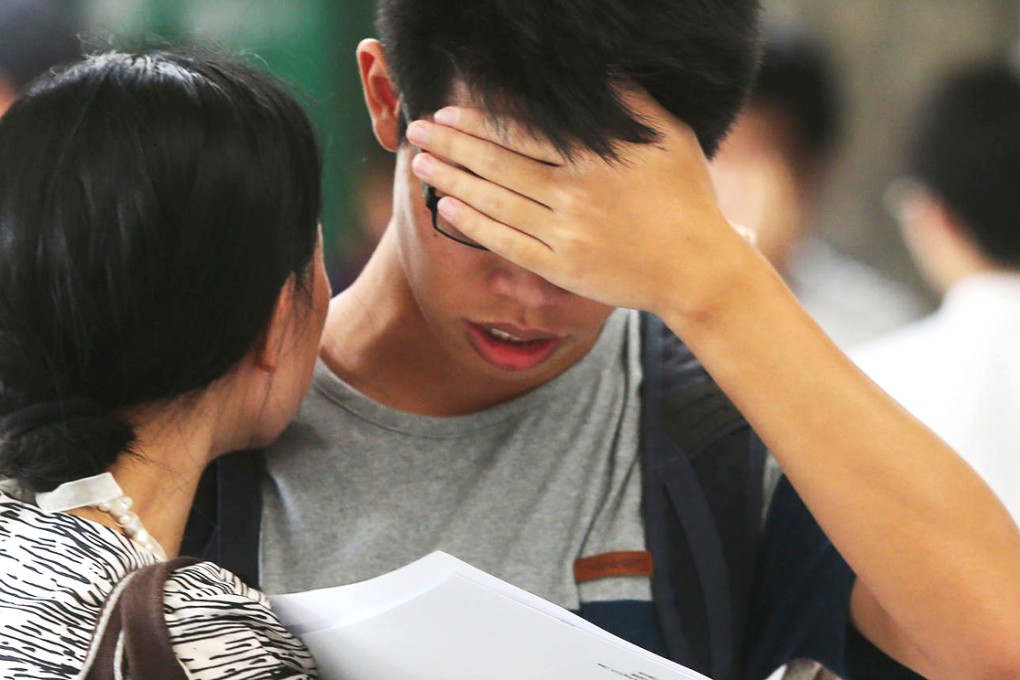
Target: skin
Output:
[(935, 552), (405, 325), (937, 239), (245, 409), (762, 182), (7, 95)]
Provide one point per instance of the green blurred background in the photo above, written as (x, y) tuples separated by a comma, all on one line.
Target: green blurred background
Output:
[(308, 43)]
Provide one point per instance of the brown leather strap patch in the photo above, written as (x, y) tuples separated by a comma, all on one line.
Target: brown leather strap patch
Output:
[(608, 565)]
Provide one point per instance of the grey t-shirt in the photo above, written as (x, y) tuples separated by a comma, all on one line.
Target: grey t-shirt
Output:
[(521, 490)]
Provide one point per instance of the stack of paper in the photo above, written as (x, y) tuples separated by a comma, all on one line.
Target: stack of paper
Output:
[(441, 619)]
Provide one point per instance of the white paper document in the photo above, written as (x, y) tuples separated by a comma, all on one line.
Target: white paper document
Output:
[(441, 619)]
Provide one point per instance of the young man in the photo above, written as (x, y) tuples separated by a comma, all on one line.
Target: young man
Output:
[(957, 370), (575, 449)]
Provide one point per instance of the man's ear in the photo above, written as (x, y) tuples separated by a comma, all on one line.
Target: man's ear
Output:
[(934, 220), (380, 94), (267, 351), (940, 244)]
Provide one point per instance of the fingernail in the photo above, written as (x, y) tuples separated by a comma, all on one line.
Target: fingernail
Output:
[(423, 165), (447, 207), (418, 133), (447, 116)]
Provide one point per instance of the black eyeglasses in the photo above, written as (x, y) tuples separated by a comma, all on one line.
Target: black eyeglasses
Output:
[(444, 227)]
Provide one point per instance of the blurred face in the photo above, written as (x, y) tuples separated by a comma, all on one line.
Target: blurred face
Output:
[(7, 95), (487, 316), (757, 184), (934, 236)]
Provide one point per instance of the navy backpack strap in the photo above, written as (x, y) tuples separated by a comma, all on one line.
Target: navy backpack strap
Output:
[(690, 435), (226, 520), (239, 487)]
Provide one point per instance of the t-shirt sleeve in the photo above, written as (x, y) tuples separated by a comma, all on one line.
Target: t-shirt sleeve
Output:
[(221, 628), (801, 601)]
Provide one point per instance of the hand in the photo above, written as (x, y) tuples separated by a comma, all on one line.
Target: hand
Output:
[(924, 535), (643, 232)]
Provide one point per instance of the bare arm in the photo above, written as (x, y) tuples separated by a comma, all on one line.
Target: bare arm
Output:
[(936, 554)]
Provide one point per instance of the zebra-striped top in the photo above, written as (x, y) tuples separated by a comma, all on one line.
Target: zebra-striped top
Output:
[(56, 571)]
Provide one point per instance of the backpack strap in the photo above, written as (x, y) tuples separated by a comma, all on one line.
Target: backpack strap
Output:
[(226, 519), (239, 483), (697, 514), (132, 638)]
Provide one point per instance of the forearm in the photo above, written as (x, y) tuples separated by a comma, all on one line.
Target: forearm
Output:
[(920, 529), (922, 532)]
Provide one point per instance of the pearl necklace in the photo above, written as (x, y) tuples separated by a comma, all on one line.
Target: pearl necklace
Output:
[(103, 493)]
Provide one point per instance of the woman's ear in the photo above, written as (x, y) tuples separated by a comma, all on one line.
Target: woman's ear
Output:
[(267, 351), (381, 96)]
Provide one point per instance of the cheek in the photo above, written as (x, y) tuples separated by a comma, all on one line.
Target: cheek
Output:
[(441, 273)]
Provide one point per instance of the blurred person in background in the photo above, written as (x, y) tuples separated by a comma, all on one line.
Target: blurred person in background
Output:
[(35, 36), (770, 175), (959, 370)]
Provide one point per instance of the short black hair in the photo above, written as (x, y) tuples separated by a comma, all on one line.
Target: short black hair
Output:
[(966, 150), (797, 79), (558, 65), (152, 207)]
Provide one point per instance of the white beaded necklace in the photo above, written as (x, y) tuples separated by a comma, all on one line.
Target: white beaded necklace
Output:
[(103, 493)]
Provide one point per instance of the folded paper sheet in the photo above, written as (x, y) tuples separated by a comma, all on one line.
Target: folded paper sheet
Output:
[(441, 619)]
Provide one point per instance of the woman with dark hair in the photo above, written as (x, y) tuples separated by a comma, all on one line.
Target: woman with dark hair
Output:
[(162, 293)]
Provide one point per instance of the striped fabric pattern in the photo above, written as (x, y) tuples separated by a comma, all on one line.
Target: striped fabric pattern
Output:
[(56, 571)]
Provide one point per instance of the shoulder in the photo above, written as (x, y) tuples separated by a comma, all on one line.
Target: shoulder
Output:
[(853, 302), (901, 342), (56, 571), (215, 621), (665, 358), (904, 362), (692, 410), (33, 541)]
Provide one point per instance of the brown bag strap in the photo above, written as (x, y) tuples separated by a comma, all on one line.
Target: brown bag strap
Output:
[(138, 613)]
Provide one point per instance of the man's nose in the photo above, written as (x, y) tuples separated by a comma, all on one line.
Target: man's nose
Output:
[(527, 288)]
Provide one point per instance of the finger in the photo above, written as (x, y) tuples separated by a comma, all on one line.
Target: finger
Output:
[(487, 159), (504, 240), (500, 130), (492, 199), (546, 184)]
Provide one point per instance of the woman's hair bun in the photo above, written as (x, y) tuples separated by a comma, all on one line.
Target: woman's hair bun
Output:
[(45, 445)]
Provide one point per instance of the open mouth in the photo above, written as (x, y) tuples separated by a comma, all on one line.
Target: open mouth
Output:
[(512, 349), (506, 337)]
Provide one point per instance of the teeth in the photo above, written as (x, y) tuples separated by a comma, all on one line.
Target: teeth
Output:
[(500, 335)]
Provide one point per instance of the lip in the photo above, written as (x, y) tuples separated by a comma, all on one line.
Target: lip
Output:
[(506, 356)]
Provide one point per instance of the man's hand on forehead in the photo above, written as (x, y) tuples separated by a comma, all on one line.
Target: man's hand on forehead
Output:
[(621, 232), (503, 131)]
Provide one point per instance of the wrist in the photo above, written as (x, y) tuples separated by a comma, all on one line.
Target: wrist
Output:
[(723, 279)]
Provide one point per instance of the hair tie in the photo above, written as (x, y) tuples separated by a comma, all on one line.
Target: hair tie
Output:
[(24, 420)]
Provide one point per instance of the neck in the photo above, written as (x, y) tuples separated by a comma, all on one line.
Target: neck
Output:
[(172, 450)]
